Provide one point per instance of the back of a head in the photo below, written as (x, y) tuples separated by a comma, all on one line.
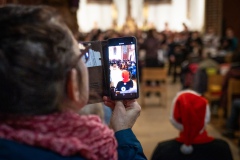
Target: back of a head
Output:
[(190, 113), (150, 33), (35, 53), (125, 76)]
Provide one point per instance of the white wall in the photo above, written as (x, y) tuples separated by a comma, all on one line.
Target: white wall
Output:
[(197, 10), (122, 11), (137, 11), (90, 14), (175, 14)]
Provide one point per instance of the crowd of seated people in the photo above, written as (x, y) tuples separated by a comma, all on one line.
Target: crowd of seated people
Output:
[(123, 76), (124, 65)]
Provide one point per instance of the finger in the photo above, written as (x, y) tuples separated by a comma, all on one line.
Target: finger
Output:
[(131, 101), (105, 98), (125, 103), (128, 103), (107, 101), (133, 106), (110, 104)]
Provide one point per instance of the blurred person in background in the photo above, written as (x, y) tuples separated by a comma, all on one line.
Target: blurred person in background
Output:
[(151, 45), (233, 120), (194, 44), (207, 66), (177, 56), (233, 72), (211, 42), (229, 42)]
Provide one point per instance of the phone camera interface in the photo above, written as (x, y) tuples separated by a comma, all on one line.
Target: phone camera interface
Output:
[(123, 75)]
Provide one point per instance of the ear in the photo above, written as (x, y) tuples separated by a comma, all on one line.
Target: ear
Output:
[(73, 92)]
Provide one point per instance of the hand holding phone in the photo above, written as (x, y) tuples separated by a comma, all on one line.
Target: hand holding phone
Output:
[(113, 68), (125, 113)]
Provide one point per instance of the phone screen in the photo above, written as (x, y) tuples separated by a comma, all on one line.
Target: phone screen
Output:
[(123, 68)]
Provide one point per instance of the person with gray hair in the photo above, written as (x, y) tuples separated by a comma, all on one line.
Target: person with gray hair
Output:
[(43, 85)]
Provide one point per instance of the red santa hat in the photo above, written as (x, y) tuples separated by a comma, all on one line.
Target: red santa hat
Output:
[(190, 113)]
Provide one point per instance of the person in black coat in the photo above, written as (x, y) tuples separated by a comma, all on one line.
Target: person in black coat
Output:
[(190, 113)]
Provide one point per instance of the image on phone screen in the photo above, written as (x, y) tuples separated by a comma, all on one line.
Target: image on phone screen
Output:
[(123, 70)]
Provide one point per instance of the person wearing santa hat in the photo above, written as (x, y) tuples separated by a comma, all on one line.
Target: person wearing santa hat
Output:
[(126, 83), (189, 114)]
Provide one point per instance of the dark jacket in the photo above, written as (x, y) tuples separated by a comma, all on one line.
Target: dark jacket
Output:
[(151, 46), (129, 148), (215, 150)]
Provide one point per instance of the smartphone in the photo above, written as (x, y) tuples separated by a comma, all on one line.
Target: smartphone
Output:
[(123, 68)]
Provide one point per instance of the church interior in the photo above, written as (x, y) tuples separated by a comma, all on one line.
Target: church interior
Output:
[(186, 33)]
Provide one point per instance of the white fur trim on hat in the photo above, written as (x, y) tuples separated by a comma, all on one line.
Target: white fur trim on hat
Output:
[(186, 149), (177, 125), (207, 118)]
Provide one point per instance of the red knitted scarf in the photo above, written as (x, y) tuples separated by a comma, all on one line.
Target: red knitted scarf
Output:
[(65, 133)]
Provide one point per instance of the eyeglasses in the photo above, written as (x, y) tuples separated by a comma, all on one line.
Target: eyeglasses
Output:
[(84, 49), (83, 56)]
